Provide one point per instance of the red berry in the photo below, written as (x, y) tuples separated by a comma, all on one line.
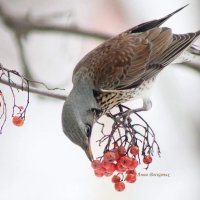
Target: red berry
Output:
[(108, 174), (116, 179), (131, 178), (111, 168), (120, 168), (122, 151), (133, 164), (96, 164), (105, 164), (125, 161), (109, 156), (119, 186), (99, 172), (131, 171), (147, 159), (17, 121), (134, 150), (117, 156)]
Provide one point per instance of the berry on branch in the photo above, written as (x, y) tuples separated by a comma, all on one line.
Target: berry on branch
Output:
[(121, 158), (17, 121), (131, 178), (96, 164), (147, 159), (134, 150), (116, 179), (119, 186)]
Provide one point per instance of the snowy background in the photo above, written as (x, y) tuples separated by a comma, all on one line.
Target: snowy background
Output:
[(37, 161)]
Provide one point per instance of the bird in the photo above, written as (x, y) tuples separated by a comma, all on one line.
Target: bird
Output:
[(121, 69)]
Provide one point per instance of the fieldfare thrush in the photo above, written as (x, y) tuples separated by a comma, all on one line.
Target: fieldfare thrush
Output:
[(120, 69)]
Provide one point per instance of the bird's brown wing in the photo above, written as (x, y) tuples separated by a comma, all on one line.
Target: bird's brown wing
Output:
[(123, 60), (137, 54), (178, 44)]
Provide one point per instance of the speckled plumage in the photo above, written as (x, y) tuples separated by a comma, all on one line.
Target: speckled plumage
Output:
[(109, 99)]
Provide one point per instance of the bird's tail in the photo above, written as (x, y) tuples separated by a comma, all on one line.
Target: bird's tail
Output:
[(154, 23), (180, 46)]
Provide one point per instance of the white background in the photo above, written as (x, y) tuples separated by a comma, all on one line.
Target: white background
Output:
[(38, 162)]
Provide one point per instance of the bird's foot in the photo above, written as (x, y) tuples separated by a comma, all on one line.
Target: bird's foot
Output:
[(194, 49), (147, 105)]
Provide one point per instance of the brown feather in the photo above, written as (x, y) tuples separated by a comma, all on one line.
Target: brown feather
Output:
[(122, 60)]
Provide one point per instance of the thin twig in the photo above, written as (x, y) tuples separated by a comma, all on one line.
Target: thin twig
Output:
[(34, 90), (25, 67)]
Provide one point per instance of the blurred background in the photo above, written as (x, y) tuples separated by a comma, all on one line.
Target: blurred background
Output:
[(37, 161)]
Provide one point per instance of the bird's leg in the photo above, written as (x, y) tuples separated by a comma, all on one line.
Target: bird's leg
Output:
[(147, 105), (194, 49)]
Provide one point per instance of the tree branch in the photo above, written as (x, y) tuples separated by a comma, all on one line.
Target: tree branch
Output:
[(9, 78), (25, 67), (34, 90), (25, 24)]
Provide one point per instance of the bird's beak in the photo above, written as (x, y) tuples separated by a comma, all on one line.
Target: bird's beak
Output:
[(88, 152)]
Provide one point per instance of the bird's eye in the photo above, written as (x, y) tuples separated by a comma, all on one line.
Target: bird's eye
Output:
[(88, 130)]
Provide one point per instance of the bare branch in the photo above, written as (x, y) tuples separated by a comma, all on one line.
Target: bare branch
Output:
[(24, 25), (34, 90), (26, 68), (9, 78)]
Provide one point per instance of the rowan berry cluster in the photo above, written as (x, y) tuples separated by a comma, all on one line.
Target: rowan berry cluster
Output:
[(18, 112), (129, 142), (121, 161)]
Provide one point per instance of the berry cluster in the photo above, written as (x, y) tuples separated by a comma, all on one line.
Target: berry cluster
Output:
[(129, 142), (122, 161)]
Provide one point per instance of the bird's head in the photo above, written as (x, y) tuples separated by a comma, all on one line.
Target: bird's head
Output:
[(78, 117)]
